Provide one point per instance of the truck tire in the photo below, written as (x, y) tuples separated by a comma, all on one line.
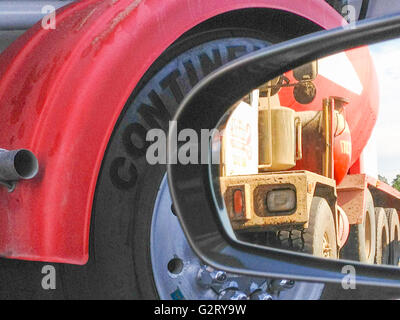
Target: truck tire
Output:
[(133, 227), (394, 236), (320, 236), (361, 244), (382, 237)]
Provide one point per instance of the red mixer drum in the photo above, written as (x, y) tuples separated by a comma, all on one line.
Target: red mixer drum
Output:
[(313, 145), (342, 148), (350, 75)]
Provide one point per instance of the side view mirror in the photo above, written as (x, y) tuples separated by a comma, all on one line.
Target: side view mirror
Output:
[(198, 191)]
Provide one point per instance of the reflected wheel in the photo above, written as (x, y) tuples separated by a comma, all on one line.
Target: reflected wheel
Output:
[(382, 237), (361, 244), (320, 236), (394, 234)]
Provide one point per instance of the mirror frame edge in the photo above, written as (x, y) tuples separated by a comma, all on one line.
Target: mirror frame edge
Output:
[(215, 247)]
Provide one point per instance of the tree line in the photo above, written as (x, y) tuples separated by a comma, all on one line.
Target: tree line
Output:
[(395, 183)]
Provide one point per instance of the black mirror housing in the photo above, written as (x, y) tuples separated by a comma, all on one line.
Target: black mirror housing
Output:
[(209, 234)]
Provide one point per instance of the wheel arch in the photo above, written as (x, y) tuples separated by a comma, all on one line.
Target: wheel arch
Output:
[(287, 25), (61, 93)]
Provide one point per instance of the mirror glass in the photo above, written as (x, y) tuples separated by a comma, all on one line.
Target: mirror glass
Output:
[(309, 161)]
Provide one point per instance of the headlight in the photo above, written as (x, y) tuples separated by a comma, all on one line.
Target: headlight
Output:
[(281, 200)]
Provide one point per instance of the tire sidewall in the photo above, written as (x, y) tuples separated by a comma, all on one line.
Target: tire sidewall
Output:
[(394, 229), (355, 248), (322, 222), (119, 264), (382, 226), (370, 211)]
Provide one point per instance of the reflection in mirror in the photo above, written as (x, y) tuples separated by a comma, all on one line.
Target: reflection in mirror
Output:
[(300, 167)]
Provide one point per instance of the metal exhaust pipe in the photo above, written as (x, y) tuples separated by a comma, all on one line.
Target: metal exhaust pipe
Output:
[(17, 164)]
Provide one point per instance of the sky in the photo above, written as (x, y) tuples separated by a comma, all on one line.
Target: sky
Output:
[(386, 135)]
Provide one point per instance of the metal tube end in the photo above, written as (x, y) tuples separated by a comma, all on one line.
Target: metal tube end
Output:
[(17, 164), (26, 164)]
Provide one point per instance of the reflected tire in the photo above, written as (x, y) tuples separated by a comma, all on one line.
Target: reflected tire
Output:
[(361, 244), (382, 237), (394, 236), (320, 236)]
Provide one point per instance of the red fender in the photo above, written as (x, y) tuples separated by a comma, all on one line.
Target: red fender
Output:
[(61, 92)]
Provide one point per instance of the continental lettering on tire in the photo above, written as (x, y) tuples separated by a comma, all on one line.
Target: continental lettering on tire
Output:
[(156, 109), (208, 65), (171, 82), (156, 114), (191, 72), (235, 52), (123, 173)]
